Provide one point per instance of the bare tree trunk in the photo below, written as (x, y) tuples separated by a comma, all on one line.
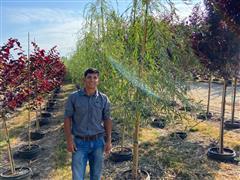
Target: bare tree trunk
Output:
[(234, 99), (135, 146), (222, 115), (209, 93), (29, 127), (123, 136), (36, 105), (40, 110), (135, 135), (37, 121), (10, 155), (138, 114), (29, 120)]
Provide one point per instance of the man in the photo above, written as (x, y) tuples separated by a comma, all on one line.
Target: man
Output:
[(87, 119)]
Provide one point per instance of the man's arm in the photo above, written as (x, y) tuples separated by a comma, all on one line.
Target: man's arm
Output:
[(108, 130), (68, 114), (107, 123), (67, 129)]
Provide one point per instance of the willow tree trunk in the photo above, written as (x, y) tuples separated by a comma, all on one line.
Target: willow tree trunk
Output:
[(209, 93), (222, 115), (234, 99), (37, 120), (123, 136), (10, 155), (138, 114), (135, 146), (135, 135)]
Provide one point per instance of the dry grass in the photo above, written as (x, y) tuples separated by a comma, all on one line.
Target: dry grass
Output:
[(148, 135), (15, 125), (163, 156), (210, 129), (171, 158), (186, 159)]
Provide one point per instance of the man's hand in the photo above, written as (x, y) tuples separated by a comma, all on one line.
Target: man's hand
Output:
[(107, 148), (67, 129), (71, 146), (108, 130)]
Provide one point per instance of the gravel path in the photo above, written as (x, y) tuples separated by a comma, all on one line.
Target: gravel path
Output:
[(199, 92)]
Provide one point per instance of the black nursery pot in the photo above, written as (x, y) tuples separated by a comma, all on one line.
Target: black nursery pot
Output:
[(52, 100), (229, 82), (186, 108), (195, 78), (173, 103), (179, 134), (228, 154), (36, 135), (57, 90), (49, 109), (55, 96), (119, 154), (230, 125), (46, 115), (217, 80), (142, 175), (51, 103), (21, 173), (26, 153), (158, 122), (44, 121), (204, 115)]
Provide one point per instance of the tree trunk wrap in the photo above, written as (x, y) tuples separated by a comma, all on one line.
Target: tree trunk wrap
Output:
[(222, 115), (234, 99)]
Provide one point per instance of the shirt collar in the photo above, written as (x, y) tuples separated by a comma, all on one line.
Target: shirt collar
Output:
[(83, 92)]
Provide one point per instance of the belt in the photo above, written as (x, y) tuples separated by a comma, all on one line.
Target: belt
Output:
[(89, 138)]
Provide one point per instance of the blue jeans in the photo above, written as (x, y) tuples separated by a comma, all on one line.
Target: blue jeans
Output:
[(91, 151)]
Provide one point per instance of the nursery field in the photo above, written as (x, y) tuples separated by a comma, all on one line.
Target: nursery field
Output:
[(163, 156), (173, 84)]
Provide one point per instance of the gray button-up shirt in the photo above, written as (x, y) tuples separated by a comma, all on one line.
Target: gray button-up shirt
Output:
[(87, 112)]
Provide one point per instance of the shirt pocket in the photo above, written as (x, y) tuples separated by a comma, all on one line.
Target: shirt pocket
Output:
[(81, 108), (97, 110)]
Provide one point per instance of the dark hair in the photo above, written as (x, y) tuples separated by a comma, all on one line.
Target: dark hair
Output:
[(91, 71)]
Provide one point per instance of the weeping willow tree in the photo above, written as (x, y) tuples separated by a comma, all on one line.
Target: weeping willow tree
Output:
[(140, 54), (149, 40)]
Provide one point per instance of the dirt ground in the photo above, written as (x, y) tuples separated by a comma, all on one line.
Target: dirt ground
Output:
[(161, 155), (199, 92)]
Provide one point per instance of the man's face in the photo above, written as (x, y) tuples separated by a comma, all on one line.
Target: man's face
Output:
[(91, 81)]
